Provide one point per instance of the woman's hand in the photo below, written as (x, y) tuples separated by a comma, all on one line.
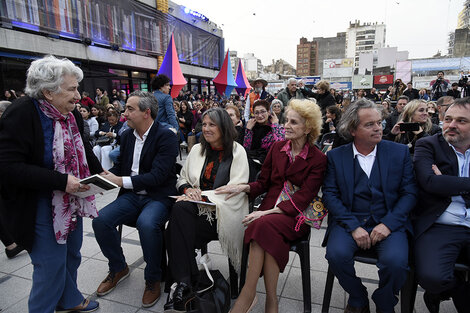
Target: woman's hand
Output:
[(417, 132), (110, 134), (396, 129), (193, 194), (274, 119), (182, 120), (232, 190), (251, 123), (252, 217), (73, 185)]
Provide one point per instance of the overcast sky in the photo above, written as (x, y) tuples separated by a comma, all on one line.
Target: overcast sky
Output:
[(272, 29)]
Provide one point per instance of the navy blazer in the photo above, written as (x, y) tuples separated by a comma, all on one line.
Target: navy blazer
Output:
[(397, 180), (157, 160), (435, 191)]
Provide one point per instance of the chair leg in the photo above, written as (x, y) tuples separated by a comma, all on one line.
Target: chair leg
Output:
[(408, 293), (233, 281), (330, 278), (246, 250), (120, 231), (304, 255)]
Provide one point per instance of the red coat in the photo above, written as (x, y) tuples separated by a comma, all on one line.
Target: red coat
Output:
[(273, 232)]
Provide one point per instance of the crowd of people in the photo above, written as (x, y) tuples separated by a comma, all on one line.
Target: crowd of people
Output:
[(394, 177)]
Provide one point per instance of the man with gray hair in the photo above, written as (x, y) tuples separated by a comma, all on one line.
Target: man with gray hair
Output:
[(290, 92), (145, 173), (369, 189)]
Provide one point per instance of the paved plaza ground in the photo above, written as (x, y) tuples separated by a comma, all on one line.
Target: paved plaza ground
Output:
[(15, 277)]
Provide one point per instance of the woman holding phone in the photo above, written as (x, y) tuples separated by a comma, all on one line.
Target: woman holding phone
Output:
[(413, 124)]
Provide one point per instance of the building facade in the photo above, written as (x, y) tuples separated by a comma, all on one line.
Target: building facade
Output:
[(117, 44), (280, 67), (311, 54), (364, 38)]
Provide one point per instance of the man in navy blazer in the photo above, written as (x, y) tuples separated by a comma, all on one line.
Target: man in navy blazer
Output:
[(442, 217), (369, 189), (145, 173)]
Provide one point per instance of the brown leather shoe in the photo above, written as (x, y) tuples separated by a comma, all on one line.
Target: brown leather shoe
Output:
[(352, 309), (111, 281), (151, 294)]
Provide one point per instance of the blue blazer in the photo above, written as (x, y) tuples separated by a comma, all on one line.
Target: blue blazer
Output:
[(157, 161), (397, 180), (435, 191)]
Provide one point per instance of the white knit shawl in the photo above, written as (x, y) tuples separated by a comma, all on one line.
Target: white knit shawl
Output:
[(229, 212)]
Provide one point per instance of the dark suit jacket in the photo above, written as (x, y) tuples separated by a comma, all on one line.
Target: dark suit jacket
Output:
[(157, 161), (307, 174), (398, 185), (23, 175), (435, 191)]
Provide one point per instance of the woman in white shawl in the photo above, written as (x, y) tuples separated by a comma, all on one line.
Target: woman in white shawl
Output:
[(217, 161)]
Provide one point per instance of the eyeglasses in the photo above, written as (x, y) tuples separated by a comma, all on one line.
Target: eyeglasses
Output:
[(260, 112)]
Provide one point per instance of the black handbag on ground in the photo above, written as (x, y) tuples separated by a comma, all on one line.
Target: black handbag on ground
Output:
[(213, 295)]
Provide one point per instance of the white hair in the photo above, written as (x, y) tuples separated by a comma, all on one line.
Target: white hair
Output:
[(47, 74), (3, 106), (291, 80)]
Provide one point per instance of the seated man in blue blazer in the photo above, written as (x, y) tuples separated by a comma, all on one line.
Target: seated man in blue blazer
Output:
[(145, 173), (369, 189), (442, 217)]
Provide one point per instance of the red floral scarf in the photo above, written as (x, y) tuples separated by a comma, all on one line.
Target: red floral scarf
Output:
[(69, 157)]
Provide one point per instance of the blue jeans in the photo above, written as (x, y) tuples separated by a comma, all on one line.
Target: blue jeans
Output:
[(392, 263), (148, 215), (198, 135), (55, 265), (114, 154)]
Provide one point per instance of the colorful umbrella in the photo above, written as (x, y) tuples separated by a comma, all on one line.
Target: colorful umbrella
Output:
[(224, 81), (243, 85), (171, 68)]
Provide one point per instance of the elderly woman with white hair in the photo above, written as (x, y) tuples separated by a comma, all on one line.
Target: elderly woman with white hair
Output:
[(278, 108), (42, 159)]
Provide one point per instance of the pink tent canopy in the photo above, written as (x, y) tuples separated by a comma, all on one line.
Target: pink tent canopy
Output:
[(224, 81), (243, 85), (171, 68)]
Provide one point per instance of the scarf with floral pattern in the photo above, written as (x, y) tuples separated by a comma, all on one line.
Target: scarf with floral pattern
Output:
[(68, 155)]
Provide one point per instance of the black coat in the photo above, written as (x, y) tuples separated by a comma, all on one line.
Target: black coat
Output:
[(435, 191), (325, 100), (23, 175)]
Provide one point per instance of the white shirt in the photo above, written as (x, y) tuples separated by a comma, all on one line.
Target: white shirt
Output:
[(365, 161), (138, 145)]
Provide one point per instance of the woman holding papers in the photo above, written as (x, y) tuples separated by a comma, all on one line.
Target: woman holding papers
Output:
[(42, 159), (218, 160)]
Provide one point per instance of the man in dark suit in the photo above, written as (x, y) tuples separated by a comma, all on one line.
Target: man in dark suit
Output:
[(144, 172), (442, 217), (369, 190)]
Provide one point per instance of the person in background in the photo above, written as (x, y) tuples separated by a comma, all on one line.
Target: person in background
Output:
[(86, 100), (411, 92), (260, 133), (290, 92), (234, 114), (372, 95), (454, 91), (278, 108), (439, 86), (323, 95), (10, 95), (393, 117), (101, 98), (41, 165), (258, 93), (161, 91), (414, 112), (90, 121), (110, 130), (423, 94), (11, 248), (433, 112)]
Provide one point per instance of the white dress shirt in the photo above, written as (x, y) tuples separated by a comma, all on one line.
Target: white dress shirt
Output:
[(365, 161), (139, 144)]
